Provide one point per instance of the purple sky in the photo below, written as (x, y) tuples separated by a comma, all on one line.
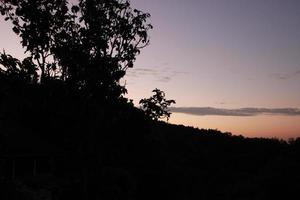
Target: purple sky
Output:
[(237, 52), (226, 54)]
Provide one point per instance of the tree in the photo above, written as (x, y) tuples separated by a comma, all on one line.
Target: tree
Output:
[(157, 105), (89, 45), (67, 90)]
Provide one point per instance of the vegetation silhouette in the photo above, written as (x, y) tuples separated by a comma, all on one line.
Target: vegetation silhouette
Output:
[(156, 106), (68, 132)]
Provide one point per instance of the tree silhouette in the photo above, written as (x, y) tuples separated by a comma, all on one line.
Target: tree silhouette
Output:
[(157, 105), (67, 91), (89, 45), (63, 104)]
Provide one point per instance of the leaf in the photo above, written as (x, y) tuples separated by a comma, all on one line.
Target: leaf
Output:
[(16, 30), (130, 65), (75, 9)]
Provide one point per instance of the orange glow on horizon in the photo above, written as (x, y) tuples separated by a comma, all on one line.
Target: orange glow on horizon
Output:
[(269, 126)]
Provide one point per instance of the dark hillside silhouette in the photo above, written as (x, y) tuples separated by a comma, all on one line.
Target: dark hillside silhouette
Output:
[(67, 131)]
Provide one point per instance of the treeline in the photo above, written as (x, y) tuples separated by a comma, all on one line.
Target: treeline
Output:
[(208, 164), (116, 152), (68, 132)]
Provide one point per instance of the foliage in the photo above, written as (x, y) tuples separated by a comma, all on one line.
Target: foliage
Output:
[(66, 94), (105, 151), (25, 70), (89, 45), (157, 105)]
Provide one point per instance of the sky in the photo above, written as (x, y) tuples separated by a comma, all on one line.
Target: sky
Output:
[(224, 54), (231, 65)]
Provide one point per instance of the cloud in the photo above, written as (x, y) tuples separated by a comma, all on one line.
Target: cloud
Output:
[(160, 74), (286, 76), (242, 112), (164, 79)]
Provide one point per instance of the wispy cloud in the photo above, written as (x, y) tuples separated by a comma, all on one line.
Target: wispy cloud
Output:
[(201, 111), (160, 74), (286, 76), (164, 79)]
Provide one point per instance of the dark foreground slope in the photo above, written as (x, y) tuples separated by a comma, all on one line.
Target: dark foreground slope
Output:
[(163, 161), (58, 145), (208, 164)]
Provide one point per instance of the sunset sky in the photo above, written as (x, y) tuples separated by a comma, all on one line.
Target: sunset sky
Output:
[(215, 57)]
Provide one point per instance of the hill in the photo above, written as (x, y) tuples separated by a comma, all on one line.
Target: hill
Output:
[(135, 158)]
